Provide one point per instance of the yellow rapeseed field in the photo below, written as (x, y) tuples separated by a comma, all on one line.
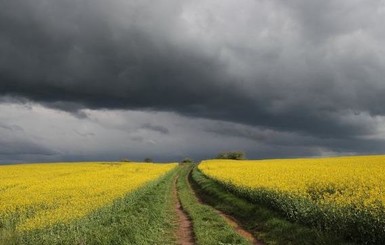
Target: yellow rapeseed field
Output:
[(358, 181), (344, 195), (39, 195)]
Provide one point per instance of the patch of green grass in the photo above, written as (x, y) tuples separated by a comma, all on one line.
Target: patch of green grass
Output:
[(145, 216), (209, 227), (266, 224)]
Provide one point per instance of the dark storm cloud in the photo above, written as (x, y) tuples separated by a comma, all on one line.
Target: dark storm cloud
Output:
[(282, 142), (261, 143), (294, 66)]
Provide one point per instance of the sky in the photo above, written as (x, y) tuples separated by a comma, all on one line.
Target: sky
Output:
[(87, 80)]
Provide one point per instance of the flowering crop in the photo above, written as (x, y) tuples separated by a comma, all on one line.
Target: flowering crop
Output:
[(343, 194), (38, 195)]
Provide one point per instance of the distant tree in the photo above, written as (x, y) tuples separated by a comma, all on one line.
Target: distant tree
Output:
[(147, 159), (235, 155), (125, 160), (187, 160)]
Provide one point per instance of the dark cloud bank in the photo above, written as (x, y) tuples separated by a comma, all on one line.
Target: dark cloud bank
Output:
[(309, 72)]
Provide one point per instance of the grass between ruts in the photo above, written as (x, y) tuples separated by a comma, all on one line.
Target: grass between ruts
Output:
[(209, 227), (145, 216), (266, 224)]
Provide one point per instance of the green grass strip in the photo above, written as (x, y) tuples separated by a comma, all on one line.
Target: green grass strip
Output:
[(209, 227), (145, 216), (266, 224)]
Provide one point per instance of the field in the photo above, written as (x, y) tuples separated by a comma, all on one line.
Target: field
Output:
[(35, 196), (344, 194), (283, 201)]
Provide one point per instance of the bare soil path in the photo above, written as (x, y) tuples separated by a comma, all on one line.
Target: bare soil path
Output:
[(185, 232), (233, 222), (239, 229)]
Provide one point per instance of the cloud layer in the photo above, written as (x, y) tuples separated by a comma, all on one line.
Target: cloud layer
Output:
[(305, 69)]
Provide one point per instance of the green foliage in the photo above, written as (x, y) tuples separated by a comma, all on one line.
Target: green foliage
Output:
[(144, 217), (209, 227), (147, 159), (271, 226), (353, 223), (235, 155), (187, 160)]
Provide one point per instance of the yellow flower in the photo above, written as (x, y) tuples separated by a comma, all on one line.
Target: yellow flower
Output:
[(40, 195), (358, 181)]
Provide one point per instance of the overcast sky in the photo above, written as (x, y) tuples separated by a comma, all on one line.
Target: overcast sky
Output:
[(106, 80)]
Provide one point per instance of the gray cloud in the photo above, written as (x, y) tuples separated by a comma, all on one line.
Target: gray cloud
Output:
[(23, 148), (10, 127), (52, 135), (307, 71), (157, 128)]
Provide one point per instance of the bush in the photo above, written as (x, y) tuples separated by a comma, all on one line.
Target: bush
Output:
[(187, 160), (235, 155), (147, 159)]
